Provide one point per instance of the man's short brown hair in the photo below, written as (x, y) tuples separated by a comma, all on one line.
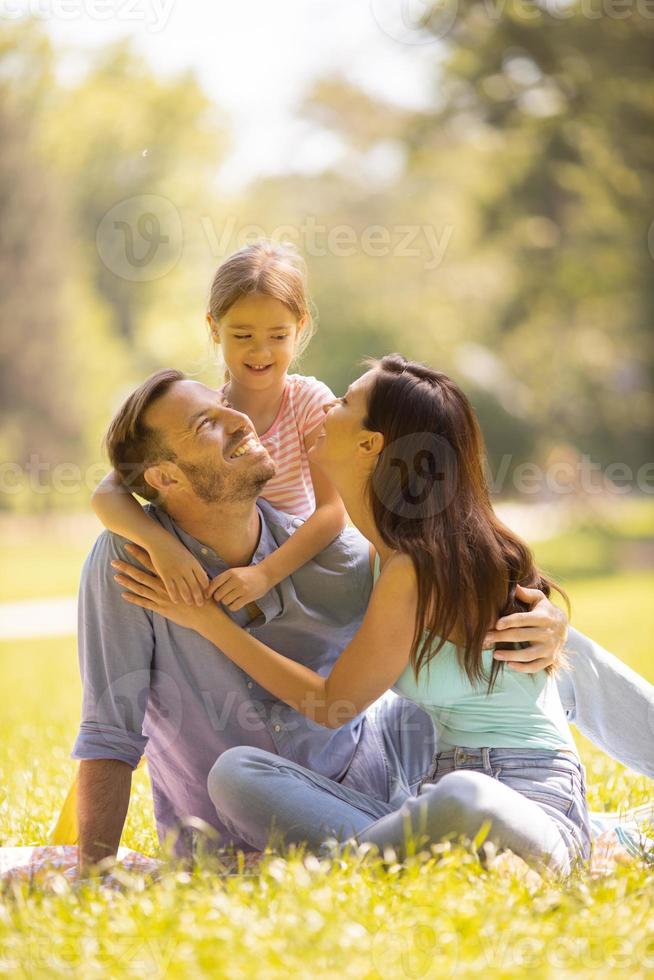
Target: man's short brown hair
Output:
[(131, 445)]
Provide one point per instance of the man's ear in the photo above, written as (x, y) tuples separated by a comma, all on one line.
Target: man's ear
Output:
[(163, 477), (370, 443), (213, 327)]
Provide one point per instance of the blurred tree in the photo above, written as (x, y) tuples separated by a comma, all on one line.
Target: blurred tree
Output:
[(533, 174), (500, 234), (569, 95), (140, 152), (36, 427), (104, 188), (138, 155)]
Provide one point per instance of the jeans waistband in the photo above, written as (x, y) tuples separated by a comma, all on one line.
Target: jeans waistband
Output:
[(485, 758)]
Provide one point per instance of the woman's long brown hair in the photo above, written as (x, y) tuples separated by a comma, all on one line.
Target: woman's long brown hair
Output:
[(430, 500)]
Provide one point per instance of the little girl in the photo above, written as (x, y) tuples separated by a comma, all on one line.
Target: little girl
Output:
[(259, 315)]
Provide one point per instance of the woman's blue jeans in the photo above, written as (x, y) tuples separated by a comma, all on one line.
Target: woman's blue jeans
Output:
[(529, 801)]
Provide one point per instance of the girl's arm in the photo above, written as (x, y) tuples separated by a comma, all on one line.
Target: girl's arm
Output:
[(319, 530), (238, 586), (367, 667), (121, 513)]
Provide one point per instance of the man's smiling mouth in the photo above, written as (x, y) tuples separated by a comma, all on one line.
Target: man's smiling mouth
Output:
[(244, 447)]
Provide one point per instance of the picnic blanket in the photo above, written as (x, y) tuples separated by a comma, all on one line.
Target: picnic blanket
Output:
[(52, 866), (619, 838), (44, 866)]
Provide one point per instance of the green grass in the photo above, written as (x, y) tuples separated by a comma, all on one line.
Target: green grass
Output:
[(601, 544), (43, 557), (443, 916), (24, 574)]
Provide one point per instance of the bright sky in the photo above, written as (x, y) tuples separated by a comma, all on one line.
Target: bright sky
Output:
[(257, 58)]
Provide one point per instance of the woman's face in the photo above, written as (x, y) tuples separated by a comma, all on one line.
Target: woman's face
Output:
[(338, 446)]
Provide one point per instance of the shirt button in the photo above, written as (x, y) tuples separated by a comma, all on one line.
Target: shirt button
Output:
[(204, 551), (249, 683), (278, 728)]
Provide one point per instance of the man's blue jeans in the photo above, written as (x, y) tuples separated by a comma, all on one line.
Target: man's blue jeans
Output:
[(269, 799)]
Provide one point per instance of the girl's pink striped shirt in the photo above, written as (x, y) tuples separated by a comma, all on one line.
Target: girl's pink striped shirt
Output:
[(300, 412)]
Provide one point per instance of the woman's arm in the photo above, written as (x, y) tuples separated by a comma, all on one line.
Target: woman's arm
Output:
[(121, 513), (238, 586), (367, 667)]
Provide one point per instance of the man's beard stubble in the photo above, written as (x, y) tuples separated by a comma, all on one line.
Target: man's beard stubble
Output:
[(213, 488)]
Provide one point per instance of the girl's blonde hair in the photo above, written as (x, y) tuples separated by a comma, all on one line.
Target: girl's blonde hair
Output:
[(271, 269)]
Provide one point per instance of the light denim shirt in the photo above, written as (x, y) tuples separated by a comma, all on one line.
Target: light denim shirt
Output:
[(152, 686)]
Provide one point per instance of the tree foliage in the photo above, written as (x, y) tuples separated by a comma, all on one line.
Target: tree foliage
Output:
[(504, 234)]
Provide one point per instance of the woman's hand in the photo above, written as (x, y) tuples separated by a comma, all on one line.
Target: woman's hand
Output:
[(181, 573), (544, 627), (147, 590), (238, 586)]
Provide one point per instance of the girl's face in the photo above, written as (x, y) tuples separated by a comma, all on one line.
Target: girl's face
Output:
[(258, 336), (344, 442)]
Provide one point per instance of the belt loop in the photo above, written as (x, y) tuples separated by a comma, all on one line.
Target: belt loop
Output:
[(485, 752)]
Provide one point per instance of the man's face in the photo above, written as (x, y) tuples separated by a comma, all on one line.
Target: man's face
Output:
[(217, 452)]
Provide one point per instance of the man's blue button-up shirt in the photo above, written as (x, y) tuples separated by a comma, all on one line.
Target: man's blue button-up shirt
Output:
[(152, 686)]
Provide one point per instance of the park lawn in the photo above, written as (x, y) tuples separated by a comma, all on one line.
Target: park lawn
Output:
[(439, 917), (24, 574)]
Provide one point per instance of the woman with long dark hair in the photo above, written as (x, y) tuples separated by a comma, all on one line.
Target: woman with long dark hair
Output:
[(405, 451)]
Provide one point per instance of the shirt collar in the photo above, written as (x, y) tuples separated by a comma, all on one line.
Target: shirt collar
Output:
[(270, 604)]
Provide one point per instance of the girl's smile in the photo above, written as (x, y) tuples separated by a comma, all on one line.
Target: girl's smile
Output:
[(258, 336)]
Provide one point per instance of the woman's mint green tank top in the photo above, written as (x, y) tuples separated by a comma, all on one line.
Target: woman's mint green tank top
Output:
[(522, 711)]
